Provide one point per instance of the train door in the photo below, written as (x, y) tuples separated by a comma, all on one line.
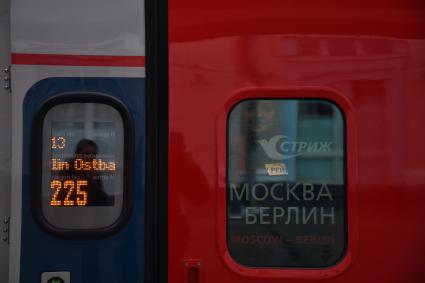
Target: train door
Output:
[(296, 148), (79, 149)]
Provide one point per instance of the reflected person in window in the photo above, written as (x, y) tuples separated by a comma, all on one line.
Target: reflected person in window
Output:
[(253, 121), (87, 150), (260, 120)]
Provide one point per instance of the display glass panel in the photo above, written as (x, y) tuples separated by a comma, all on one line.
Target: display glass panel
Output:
[(83, 165), (286, 187)]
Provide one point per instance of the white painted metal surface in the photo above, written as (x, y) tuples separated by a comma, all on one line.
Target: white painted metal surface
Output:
[(96, 27), (5, 139)]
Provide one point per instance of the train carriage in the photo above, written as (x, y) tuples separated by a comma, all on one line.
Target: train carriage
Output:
[(196, 142)]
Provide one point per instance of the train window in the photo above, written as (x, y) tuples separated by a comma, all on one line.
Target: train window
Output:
[(82, 166), (286, 187)]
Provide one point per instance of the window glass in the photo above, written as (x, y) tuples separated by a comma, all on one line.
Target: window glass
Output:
[(82, 166), (286, 187)]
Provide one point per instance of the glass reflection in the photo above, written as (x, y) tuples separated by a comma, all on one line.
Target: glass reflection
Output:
[(83, 172), (286, 191)]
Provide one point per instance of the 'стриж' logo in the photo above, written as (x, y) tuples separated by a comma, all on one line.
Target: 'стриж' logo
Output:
[(282, 147)]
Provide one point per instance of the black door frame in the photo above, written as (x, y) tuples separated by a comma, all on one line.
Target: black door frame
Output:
[(156, 221)]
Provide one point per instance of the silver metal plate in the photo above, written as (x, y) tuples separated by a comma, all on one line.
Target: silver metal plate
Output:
[(64, 275)]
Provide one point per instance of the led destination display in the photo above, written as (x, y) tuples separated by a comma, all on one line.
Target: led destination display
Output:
[(82, 165), (82, 169)]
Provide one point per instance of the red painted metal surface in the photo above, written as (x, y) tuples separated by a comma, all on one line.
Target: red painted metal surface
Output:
[(77, 60), (370, 55)]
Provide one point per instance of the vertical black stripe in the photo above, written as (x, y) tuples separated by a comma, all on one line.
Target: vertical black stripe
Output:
[(156, 229)]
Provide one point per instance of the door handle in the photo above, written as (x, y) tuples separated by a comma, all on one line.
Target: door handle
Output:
[(192, 271)]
